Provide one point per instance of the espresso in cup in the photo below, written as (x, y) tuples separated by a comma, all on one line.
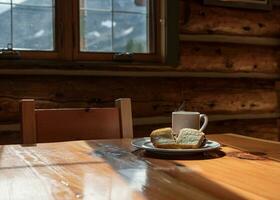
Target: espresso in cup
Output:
[(185, 119)]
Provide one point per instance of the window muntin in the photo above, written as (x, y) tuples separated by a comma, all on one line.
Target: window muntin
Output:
[(115, 26), (66, 43), (27, 25)]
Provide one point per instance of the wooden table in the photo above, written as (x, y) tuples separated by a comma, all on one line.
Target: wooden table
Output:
[(112, 169)]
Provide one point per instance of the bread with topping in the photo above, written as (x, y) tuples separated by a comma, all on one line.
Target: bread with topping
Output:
[(163, 138), (190, 138), (187, 139)]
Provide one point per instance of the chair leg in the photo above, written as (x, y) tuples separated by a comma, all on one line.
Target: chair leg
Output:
[(28, 121), (124, 105)]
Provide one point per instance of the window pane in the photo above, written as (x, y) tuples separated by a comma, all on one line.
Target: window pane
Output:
[(33, 28), (33, 24), (131, 5), (121, 28), (97, 4), (128, 36), (30, 2), (34, 2), (5, 25), (97, 35)]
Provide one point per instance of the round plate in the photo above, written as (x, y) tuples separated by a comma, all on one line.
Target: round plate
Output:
[(146, 144)]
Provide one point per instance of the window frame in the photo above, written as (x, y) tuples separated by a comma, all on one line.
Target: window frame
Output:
[(155, 57), (46, 55), (67, 38)]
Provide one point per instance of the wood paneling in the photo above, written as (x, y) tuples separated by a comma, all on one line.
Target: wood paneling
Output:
[(218, 20), (10, 137), (159, 96), (150, 96), (229, 58), (260, 128), (232, 39), (201, 56), (276, 2), (213, 102)]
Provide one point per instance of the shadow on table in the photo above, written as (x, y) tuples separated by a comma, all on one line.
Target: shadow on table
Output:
[(198, 156), (147, 175)]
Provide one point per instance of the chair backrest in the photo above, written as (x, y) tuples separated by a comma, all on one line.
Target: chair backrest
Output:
[(55, 125)]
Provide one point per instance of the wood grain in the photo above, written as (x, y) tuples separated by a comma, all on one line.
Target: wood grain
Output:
[(213, 102), (28, 121), (75, 84), (216, 20), (222, 102), (151, 97), (109, 169), (77, 124), (10, 137), (56, 125), (162, 73), (270, 149), (276, 2), (228, 58), (241, 96), (125, 113), (250, 40), (259, 128)]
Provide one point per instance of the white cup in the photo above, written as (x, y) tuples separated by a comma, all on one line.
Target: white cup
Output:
[(184, 119)]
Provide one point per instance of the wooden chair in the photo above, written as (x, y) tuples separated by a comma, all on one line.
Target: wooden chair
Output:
[(55, 125)]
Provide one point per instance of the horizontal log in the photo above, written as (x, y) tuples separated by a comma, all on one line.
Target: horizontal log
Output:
[(10, 137), (238, 4), (166, 120), (82, 68), (9, 127), (259, 128), (255, 101), (264, 41), (277, 86), (150, 96), (224, 101), (156, 120), (69, 89), (160, 121), (219, 20), (276, 2), (180, 72), (213, 102), (229, 58), (10, 133)]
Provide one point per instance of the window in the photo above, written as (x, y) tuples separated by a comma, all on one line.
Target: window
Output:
[(109, 28), (114, 26), (27, 24), (95, 30)]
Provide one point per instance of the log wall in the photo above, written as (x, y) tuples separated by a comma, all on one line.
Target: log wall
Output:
[(229, 57), (247, 106), (219, 20)]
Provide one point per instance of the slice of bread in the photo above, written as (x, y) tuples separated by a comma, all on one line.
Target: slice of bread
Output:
[(163, 138), (190, 138)]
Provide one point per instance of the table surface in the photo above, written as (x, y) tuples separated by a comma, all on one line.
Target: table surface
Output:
[(244, 168)]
